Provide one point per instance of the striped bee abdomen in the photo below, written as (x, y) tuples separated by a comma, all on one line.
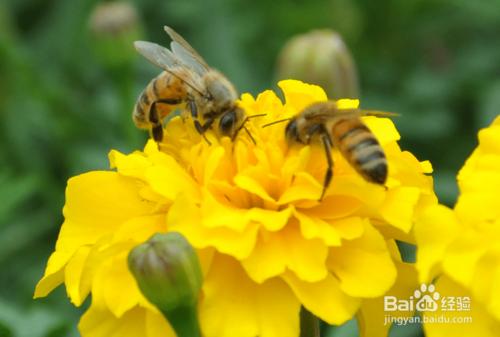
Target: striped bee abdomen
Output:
[(163, 86), (361, 149), (142, 107)]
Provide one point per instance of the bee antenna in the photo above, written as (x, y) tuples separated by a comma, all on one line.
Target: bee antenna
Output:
[(250, 135), (259, 115), (242, 126), (276, 122)]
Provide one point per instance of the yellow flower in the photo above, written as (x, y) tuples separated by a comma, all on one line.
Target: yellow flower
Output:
[(462, 246), (266, 245)]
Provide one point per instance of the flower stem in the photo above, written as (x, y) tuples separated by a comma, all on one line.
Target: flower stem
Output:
[(184, 321), (309, 324)]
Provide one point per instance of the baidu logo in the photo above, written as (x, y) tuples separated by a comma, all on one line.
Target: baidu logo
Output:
[(427, 298), (428, 306)]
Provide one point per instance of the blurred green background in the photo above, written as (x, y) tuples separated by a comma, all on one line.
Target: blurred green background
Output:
[(68, 85)]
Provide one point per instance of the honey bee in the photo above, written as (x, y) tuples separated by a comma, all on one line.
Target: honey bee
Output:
[(186, 79), (344, 130)]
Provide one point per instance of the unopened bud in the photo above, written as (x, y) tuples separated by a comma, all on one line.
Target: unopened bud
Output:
[(168, 273), (113, 18), (114, 27), (320, 57)]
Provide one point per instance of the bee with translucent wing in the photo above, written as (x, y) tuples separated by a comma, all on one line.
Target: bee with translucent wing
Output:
[(186, 79), (344, 130)]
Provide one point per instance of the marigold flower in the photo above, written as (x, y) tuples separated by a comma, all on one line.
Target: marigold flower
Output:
[(265, 243), (462, 246)]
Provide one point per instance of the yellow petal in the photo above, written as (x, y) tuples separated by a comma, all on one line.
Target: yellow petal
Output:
[(252, 185), (268, 258), (426, 166), (383, 128), (132, 165), (111, 282), (54, 275), (270, 220), (354, 186), (97, 203), (298, 95), (185, 217), (371, 316), (151, 147), (477, 164), (140, 229), (309, 267), (169, 179), (399, 207), (364, 265), (233, 305), (476, 322), (335, 207), (303, 187), (296, 161), (463, 254), (324, 298), (212, 162), (157, 325), (349, 228), (476, 207), (216, 214), (82, 267), (347, 103), (316, 228), (486, 282), (276, 251), (489, 139), (434, 230), (266, 103), (247, 100), (99, 254), (102, 323), (80, 270), (77, 291)]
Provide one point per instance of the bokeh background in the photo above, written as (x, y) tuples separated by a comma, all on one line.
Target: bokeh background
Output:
[(69, 79)]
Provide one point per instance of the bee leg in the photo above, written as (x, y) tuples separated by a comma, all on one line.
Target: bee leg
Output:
[(157, 128), (157, 132), (207, 124), (193, 109), (203, 128), (329, 171), (154, 118)]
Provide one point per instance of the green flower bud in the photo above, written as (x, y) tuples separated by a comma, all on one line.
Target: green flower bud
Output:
[(168, 273), (114, 27), (320, 57)]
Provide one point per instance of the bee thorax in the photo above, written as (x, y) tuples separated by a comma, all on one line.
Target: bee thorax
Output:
[(221, 90)]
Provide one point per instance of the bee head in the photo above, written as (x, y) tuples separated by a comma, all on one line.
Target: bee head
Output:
[(292, 131), (230, 122)]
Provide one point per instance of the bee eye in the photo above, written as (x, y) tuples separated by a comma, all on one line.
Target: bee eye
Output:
[(226, 123), (291, 131)]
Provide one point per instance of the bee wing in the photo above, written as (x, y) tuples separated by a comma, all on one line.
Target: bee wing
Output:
[(349, 113), (377, 113), (165, 59), (187, 54), (156, 54), (357, 113)]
